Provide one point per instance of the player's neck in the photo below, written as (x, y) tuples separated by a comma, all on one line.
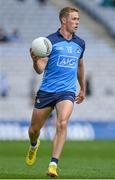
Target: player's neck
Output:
[(67, 35)]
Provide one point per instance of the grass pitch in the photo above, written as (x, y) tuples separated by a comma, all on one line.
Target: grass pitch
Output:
[(79, 160)]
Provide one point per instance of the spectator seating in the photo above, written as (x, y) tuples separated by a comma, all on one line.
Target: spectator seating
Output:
[(33, 21), (105, 15)]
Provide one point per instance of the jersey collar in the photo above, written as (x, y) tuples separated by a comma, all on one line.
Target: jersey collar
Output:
[(59, 34)]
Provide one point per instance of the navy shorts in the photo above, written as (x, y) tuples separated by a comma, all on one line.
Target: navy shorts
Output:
[(46, 99)]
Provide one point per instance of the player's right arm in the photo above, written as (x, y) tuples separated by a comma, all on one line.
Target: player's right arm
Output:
[(39, 64)]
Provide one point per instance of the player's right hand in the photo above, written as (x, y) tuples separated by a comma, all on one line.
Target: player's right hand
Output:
[(33, 56)]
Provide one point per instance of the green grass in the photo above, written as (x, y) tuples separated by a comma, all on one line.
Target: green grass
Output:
[(79, 160)]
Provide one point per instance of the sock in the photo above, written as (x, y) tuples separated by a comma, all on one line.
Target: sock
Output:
[(33, 145), (55, 160)]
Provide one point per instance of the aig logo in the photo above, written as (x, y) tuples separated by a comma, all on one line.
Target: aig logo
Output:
[(67, 61)]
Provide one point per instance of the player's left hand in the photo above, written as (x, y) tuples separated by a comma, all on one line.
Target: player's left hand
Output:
[(80, 97)]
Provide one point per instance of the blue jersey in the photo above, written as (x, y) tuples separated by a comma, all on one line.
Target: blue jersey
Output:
[(60, 73)]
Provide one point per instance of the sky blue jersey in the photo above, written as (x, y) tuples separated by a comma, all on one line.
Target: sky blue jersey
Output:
[(60, 73)]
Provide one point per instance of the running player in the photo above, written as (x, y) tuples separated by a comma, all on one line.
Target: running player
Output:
[(62, 69)]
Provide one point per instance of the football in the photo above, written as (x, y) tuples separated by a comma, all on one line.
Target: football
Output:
[(41, 46)]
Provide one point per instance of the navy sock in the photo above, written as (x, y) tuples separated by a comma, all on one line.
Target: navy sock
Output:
[(53, 159), (33, 143)]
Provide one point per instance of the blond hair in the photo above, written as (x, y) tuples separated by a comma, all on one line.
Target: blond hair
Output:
[(65, 12)]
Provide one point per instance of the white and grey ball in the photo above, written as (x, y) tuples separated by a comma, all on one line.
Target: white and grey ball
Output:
[(41, 46)]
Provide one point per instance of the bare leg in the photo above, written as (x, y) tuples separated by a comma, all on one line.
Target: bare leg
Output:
[(64, 110), (39, 117)]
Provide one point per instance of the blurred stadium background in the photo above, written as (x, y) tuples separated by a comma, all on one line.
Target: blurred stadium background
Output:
[(23, 20)]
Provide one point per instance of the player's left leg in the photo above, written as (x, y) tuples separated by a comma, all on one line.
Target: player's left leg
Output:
[(64, 109)]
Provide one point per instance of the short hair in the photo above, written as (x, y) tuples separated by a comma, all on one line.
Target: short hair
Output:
[(66, 10)]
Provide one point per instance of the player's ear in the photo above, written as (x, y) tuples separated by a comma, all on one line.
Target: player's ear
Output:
[(63, 20)]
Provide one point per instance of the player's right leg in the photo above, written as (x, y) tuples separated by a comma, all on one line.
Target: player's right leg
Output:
[(39, 116)]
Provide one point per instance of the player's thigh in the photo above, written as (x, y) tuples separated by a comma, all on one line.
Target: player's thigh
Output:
[(39, 116), (64, 109)]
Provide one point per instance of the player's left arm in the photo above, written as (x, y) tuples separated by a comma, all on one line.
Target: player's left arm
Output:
[(81, 95)]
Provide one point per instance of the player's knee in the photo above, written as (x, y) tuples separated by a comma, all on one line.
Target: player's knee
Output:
[(61, 125)]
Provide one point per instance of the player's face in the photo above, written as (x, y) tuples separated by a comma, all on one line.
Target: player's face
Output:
[(72, 22)]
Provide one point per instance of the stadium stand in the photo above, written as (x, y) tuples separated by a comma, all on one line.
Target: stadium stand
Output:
[(15, 60), (32, 21), (104, 14)]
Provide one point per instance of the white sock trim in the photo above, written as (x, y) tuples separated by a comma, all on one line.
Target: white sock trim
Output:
[(53, 163)]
